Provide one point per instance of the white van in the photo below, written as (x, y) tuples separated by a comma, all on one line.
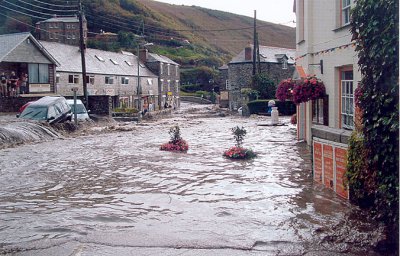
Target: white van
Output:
[(82, 113)]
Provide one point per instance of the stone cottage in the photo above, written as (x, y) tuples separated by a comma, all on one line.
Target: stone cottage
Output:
[(276, 63), (168, 77)]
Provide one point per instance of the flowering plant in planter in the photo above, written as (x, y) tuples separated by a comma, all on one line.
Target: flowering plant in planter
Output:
[(285, 90), (176, 143), (238, 152), (308, 88)]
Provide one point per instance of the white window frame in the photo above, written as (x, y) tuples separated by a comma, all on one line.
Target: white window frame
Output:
[(227, 84), (168, 69), (284, 64), (346, 6), (347, 98), (109, 80), (73, 78), (90, 79), (124, 80), (68, 26)]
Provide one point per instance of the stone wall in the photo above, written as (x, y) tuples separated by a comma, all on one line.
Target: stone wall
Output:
[(240, 75)]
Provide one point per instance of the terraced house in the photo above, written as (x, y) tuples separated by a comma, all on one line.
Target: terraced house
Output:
[(118, 76), (324, 48)]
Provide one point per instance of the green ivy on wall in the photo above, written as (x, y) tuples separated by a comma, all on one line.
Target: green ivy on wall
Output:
[(375, 29)]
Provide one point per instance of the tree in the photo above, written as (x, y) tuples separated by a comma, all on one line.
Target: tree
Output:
[(374, 26), (265, 86)]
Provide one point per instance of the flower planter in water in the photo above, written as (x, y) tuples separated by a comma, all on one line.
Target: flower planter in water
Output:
[(177, 146), (239, 153)]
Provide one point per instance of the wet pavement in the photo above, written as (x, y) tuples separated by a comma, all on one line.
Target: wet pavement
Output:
[(116, 193)]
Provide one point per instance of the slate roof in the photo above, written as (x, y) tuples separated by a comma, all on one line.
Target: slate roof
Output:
[(61, 19), (268, 54), (152, 57), (97, 61), (9, 42)]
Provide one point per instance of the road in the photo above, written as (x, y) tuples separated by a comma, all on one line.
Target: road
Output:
[(116, 193)]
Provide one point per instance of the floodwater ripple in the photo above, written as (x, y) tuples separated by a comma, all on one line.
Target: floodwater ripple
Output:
[(120, 187)]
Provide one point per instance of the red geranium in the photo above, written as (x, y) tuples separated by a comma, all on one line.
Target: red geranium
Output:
[(309, 88), (285, 90)]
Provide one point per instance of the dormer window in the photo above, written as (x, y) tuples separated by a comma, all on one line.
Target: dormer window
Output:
[(284, 63), (114, 62), (99, 58), (129, 63)]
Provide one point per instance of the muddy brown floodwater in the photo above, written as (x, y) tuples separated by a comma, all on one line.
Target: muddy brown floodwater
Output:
[(116, 193)]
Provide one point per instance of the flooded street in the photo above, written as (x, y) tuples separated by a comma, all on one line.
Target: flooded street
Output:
[(116, 193)]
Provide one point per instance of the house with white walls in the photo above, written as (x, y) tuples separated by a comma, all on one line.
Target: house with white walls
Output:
[(324, 48), (120, 76)]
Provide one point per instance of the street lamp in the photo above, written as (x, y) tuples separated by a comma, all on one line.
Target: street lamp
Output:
[(139, 88)]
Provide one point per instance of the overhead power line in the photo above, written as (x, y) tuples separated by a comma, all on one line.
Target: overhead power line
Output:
[(57, 5), (26, 14), (47, 9)]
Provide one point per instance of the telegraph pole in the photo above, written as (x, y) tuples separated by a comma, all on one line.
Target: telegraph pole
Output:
[(255, 43), (82, 48)]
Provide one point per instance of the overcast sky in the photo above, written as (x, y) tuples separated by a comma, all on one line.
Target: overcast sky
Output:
[(276, 11)]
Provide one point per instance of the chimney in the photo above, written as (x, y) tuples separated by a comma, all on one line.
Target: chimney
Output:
[(143, 55), (248, 52)]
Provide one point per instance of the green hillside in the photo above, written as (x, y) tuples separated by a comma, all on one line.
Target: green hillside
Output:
[(190, 35)]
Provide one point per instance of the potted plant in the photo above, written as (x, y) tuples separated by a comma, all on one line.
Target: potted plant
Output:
[(176, 142), (238, 151)]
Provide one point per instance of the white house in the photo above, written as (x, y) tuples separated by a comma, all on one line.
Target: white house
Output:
[(324, 48), (107, 73)]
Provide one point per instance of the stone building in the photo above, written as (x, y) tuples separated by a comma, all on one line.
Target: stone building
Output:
[(61, 29), (276, 63), (119, 76), (168, 77)]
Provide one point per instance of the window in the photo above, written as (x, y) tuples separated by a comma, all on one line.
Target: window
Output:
[(56, 25), (57, 78), (114, 62), (68, 36), (347, 98), (50, 25), (99, 58), (124, 80), (129, 63), (90, 80), (284, 63), (320, 109), (56, 35), (68, 26), (72, 26), (50, 35), (73, 79), (177, 86), (38, 73), (109, 80), (73, 36), (227, 84), (346, 5)]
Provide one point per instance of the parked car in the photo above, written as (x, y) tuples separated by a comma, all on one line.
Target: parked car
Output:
[(53, 109), (24, 107), (81, 112)]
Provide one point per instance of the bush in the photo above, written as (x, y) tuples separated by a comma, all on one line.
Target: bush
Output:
[(285, 108)]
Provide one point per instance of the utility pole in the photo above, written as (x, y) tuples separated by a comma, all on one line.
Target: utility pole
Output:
[(255, 43), (82, 48)]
